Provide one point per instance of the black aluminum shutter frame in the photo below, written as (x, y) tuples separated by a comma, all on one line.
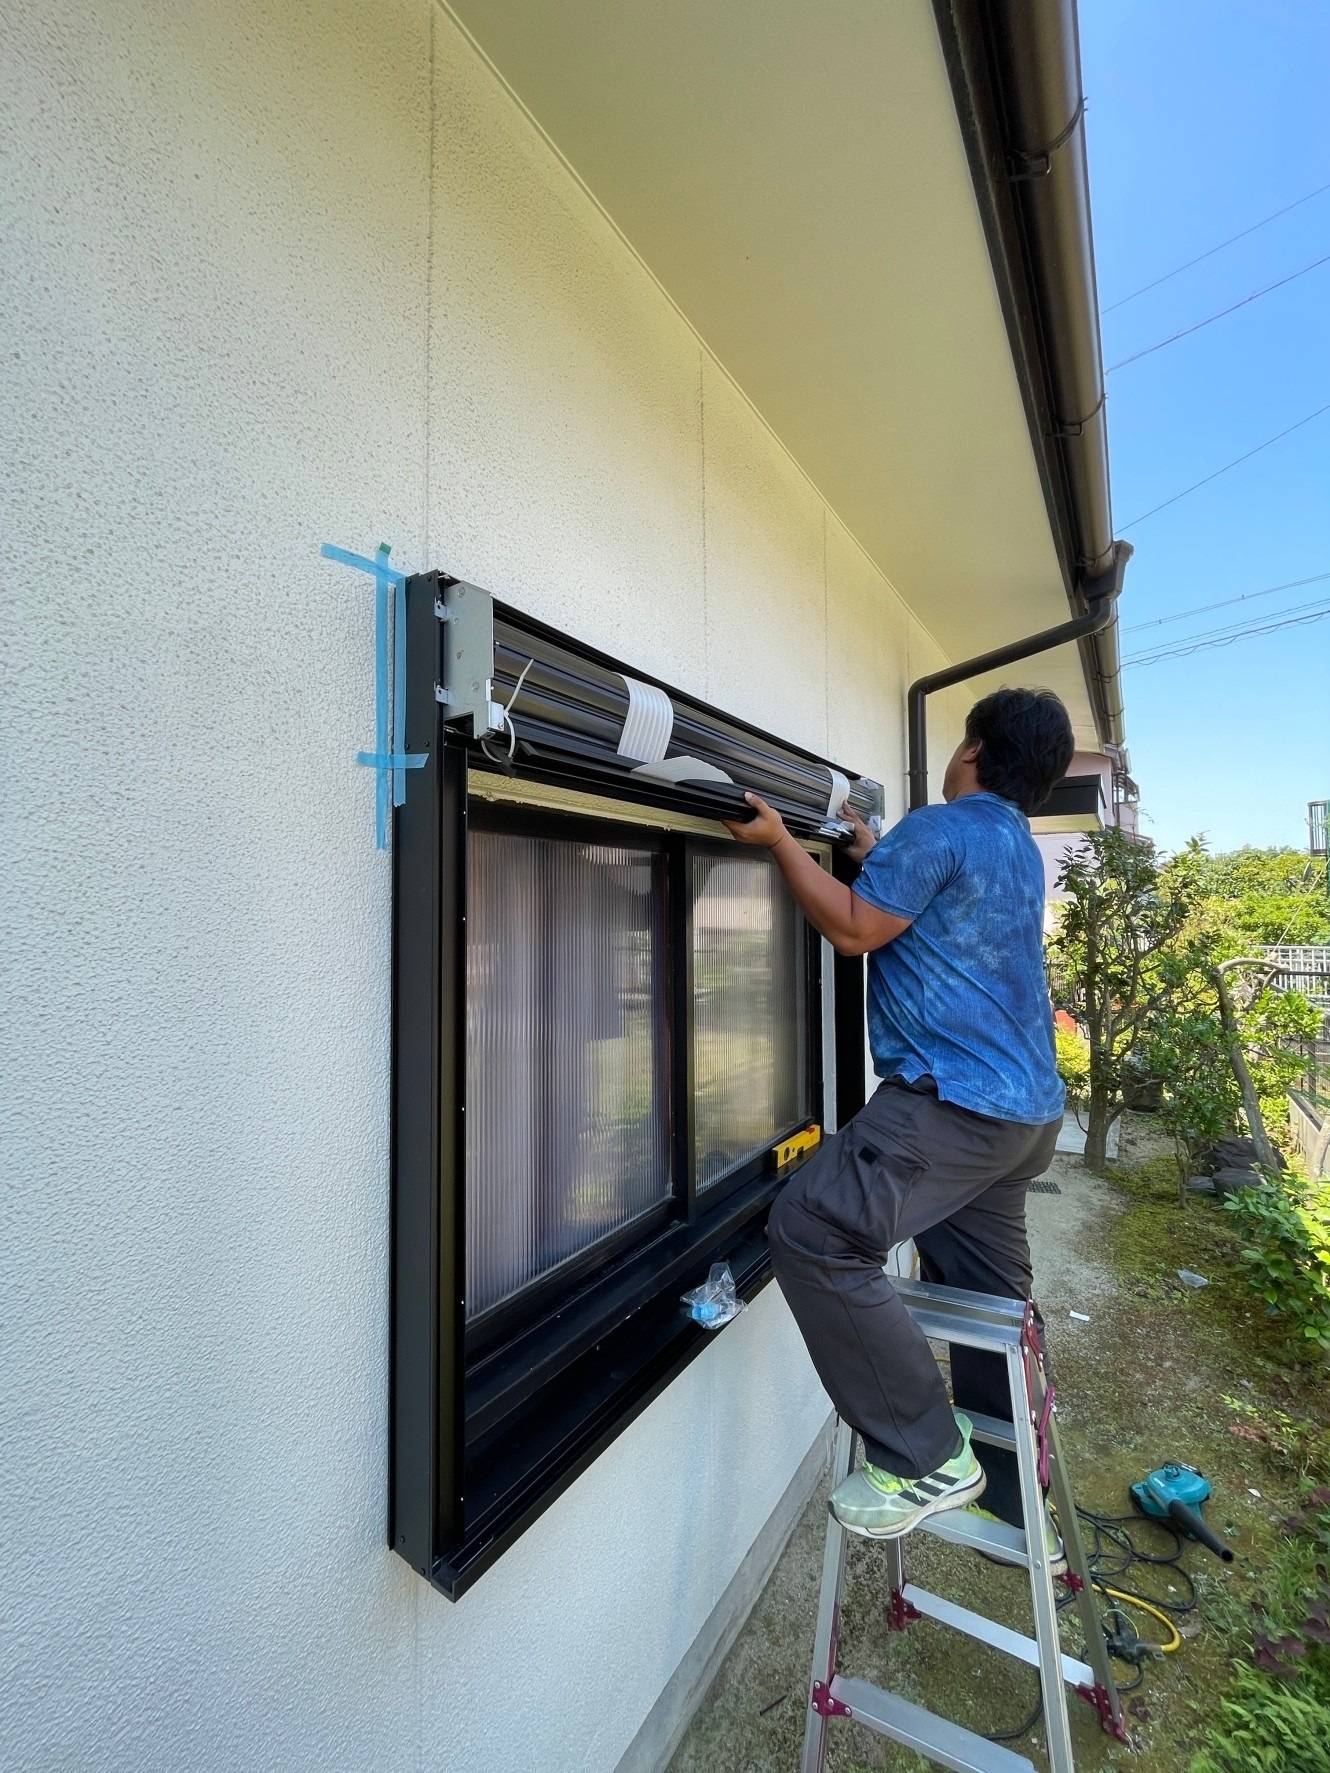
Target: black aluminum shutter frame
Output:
[(568, 717)]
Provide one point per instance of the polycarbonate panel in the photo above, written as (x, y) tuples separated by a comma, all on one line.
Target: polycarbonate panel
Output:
[(567, 1109), (750, 1009)]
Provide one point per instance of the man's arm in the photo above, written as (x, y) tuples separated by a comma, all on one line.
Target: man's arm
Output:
[(849, 923)]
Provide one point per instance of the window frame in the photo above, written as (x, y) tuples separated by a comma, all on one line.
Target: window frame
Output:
[(490, 1422), (547, 1292), (687, 1206), (815, 964)]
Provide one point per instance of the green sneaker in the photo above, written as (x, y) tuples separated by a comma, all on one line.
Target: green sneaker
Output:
[(879, 1505), (1053, 1546)]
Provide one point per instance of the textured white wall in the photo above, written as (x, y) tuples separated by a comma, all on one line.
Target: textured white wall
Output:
[(281, 273)]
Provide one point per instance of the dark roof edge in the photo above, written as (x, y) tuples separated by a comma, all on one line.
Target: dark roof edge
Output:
[(1014, 67)]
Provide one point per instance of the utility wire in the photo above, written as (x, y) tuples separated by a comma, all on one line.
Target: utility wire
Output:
[(1295, 609), (1202, 609), (1210, 252), (1246, 301), (1224, 470), (1235, 628), (1185, 648)]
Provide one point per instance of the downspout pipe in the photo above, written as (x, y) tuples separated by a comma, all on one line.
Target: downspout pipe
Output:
[(1100, 594)]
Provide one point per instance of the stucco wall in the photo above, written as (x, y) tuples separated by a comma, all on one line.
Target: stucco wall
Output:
[(281, 274)]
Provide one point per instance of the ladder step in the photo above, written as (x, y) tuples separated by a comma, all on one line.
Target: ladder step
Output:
[(939, 1740), (991, 1430), (959, 1528), (988, 1631), (969, 1331), (989, 1304)]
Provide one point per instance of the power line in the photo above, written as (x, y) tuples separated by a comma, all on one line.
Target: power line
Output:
[(1246, 301), (1235, 629), (1210, 252), (1249, 631), (1202, 609), (1183, 651), (1238, 628), (1224, 470)]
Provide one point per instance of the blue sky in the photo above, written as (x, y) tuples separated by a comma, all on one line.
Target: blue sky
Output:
[(1202, 119)]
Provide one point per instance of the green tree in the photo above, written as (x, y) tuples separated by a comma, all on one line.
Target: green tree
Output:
[(1121, 916), (1274, 895), (1194, 1039)]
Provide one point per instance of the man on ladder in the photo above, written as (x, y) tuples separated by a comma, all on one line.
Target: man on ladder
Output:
[(949, 908)]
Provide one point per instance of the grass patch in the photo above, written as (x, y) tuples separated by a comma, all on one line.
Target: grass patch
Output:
[(1225, 1393), (1161, 1233)]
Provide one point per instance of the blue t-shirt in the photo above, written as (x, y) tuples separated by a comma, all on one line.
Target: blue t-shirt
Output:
[(961, 995)]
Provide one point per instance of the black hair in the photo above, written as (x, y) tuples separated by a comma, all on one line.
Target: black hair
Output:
[(1025, 744)]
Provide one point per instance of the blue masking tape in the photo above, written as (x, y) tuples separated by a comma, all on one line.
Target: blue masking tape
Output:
[(393, 760), (381, 584), (377, 567), (385, 758), (399, 693)]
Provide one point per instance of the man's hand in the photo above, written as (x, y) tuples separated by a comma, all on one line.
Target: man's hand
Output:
[(849, 923), (863, 839), (765, 829)]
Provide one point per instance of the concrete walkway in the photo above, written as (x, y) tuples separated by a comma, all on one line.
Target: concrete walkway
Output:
[(1071, 1140), (752, 1719)]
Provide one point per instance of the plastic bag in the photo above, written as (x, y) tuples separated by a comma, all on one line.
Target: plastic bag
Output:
[(717, 1302)]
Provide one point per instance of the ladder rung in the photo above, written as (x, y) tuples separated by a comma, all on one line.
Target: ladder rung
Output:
[(941, 1741), (969, 1331), (990, 1303), (990, 1429), (988, 1631), (959, 1528)]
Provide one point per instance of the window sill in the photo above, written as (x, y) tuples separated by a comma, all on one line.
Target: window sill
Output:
[(516, 1473), (675, 1259)]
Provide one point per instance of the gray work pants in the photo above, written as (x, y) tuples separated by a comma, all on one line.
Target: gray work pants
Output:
[(909, 1166)]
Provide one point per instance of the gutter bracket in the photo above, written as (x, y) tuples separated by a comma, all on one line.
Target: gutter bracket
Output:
[(1037, 163), (1073, 428)]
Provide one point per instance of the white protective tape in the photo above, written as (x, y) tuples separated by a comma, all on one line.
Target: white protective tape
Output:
[(683, 769), (840, 793), (649, 723)]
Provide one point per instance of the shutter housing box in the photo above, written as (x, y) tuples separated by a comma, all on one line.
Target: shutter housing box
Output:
[(573, 714)]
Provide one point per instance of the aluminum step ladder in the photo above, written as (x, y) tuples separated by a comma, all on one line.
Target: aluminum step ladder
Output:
[(1003, 1327)]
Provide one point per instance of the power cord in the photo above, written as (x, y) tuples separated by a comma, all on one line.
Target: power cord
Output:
[(1111, 1553), (505, 708)]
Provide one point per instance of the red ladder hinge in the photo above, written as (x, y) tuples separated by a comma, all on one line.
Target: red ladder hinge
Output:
[(1097, 1696), (825, 1704)]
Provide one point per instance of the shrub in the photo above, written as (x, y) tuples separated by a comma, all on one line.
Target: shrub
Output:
[(1273, 1728), (1277, 1714), (1287, 1258), (1073, 1063)]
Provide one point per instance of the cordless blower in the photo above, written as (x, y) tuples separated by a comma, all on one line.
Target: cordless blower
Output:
[(1174, 1493)]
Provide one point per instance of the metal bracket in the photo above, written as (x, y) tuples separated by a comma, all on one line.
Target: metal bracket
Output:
[(825, 1705), (900, 1612), (468, 658), (1037, 163), (1097, 1697), (1033, 1362), (1045, 1447)]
